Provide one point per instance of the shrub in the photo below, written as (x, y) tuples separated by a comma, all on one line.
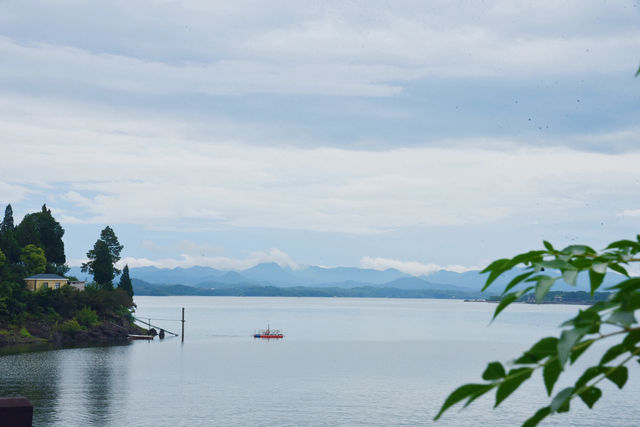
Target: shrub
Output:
[(87, 317), (125, 312), (24, 333), (71, 326)]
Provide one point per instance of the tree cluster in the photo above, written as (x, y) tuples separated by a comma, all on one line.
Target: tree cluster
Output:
[(35, 246)]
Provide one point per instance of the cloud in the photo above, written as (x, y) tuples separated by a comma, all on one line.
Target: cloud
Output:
[(273, 255), (153, 173), (413, 268), (629, 212), (330, 50)]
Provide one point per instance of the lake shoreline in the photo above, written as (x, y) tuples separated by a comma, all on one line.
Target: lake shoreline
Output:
[(43, 333)]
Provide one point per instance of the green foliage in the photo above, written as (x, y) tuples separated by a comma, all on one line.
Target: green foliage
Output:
[(24, 333), (109, 238), (42, 230), (35, 246), (71, 326), (33, 259), (125, 281), (103, 257), (7, 221), (87, 317), (553, 355)]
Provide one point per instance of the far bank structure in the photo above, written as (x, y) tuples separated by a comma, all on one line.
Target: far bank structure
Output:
[(52, 281)]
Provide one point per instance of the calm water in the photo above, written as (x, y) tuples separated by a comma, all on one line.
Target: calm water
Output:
[(342, 362)]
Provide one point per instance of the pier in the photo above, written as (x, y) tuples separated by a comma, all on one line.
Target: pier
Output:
[(146, 321)]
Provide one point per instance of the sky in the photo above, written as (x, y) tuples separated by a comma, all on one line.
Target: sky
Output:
[(407, 134)]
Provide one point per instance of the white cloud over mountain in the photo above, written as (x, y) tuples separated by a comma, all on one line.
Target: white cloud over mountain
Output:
[(414, 268)]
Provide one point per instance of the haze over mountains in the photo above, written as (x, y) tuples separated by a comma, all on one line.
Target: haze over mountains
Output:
[(274, 275)]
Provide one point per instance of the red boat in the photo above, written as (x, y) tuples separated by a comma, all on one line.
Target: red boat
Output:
[(269, 333)]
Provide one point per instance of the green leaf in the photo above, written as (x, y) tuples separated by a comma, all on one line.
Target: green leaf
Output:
[(519, 278), (628, 285), (612, 353), (542, 288), (602, 306), (550, 374), (496, 268), (620, 317), (631, 340), (620, 269), (495, 264), (547, 346), (537, 417), (618, 376), (570, 276), (578, 250), (479, 393), (560, 402), (568, 338), (596, 280), (578, 349), (525, 258), (494, 371), (557, 264), (599, 267), (588, 375), (512, 381), (459, 394), (587, 318), (547, 245), (508, 299), (590, 396), (625, 244)]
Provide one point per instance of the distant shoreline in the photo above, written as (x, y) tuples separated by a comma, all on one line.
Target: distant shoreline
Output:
[(147, 289)]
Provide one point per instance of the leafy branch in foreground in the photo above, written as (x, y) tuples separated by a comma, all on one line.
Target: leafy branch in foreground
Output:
[(552, 355)]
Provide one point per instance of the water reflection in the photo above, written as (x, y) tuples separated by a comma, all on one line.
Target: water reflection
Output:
[(69, 386), (36, 377), (98, 382)]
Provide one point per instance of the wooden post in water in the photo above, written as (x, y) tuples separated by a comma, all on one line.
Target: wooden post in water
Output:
[(182, 324), (16, 411)]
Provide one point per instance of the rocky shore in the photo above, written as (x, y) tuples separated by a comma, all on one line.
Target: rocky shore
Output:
[(112, 331)]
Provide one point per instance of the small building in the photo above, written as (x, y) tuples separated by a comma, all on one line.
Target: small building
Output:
[(77, 284), (43, 281)]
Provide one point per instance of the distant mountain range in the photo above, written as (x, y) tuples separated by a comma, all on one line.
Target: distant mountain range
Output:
[(273, 275)]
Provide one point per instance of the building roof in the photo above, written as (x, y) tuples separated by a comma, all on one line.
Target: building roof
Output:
[(46, 276)]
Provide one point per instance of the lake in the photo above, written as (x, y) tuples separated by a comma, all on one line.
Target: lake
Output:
[(342, 362)]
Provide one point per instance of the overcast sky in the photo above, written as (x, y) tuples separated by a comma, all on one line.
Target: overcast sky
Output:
[(415, 135)]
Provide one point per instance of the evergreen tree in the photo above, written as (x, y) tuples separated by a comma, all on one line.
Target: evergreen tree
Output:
[(103, 257), (8, 242), (109, 237), (7, 222), (125, 281), (100, 265)]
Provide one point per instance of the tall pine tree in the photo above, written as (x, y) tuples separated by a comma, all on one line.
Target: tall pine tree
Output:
[(109, 237), (7, 222), (8, 240), (125, 281), (102, 259)]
